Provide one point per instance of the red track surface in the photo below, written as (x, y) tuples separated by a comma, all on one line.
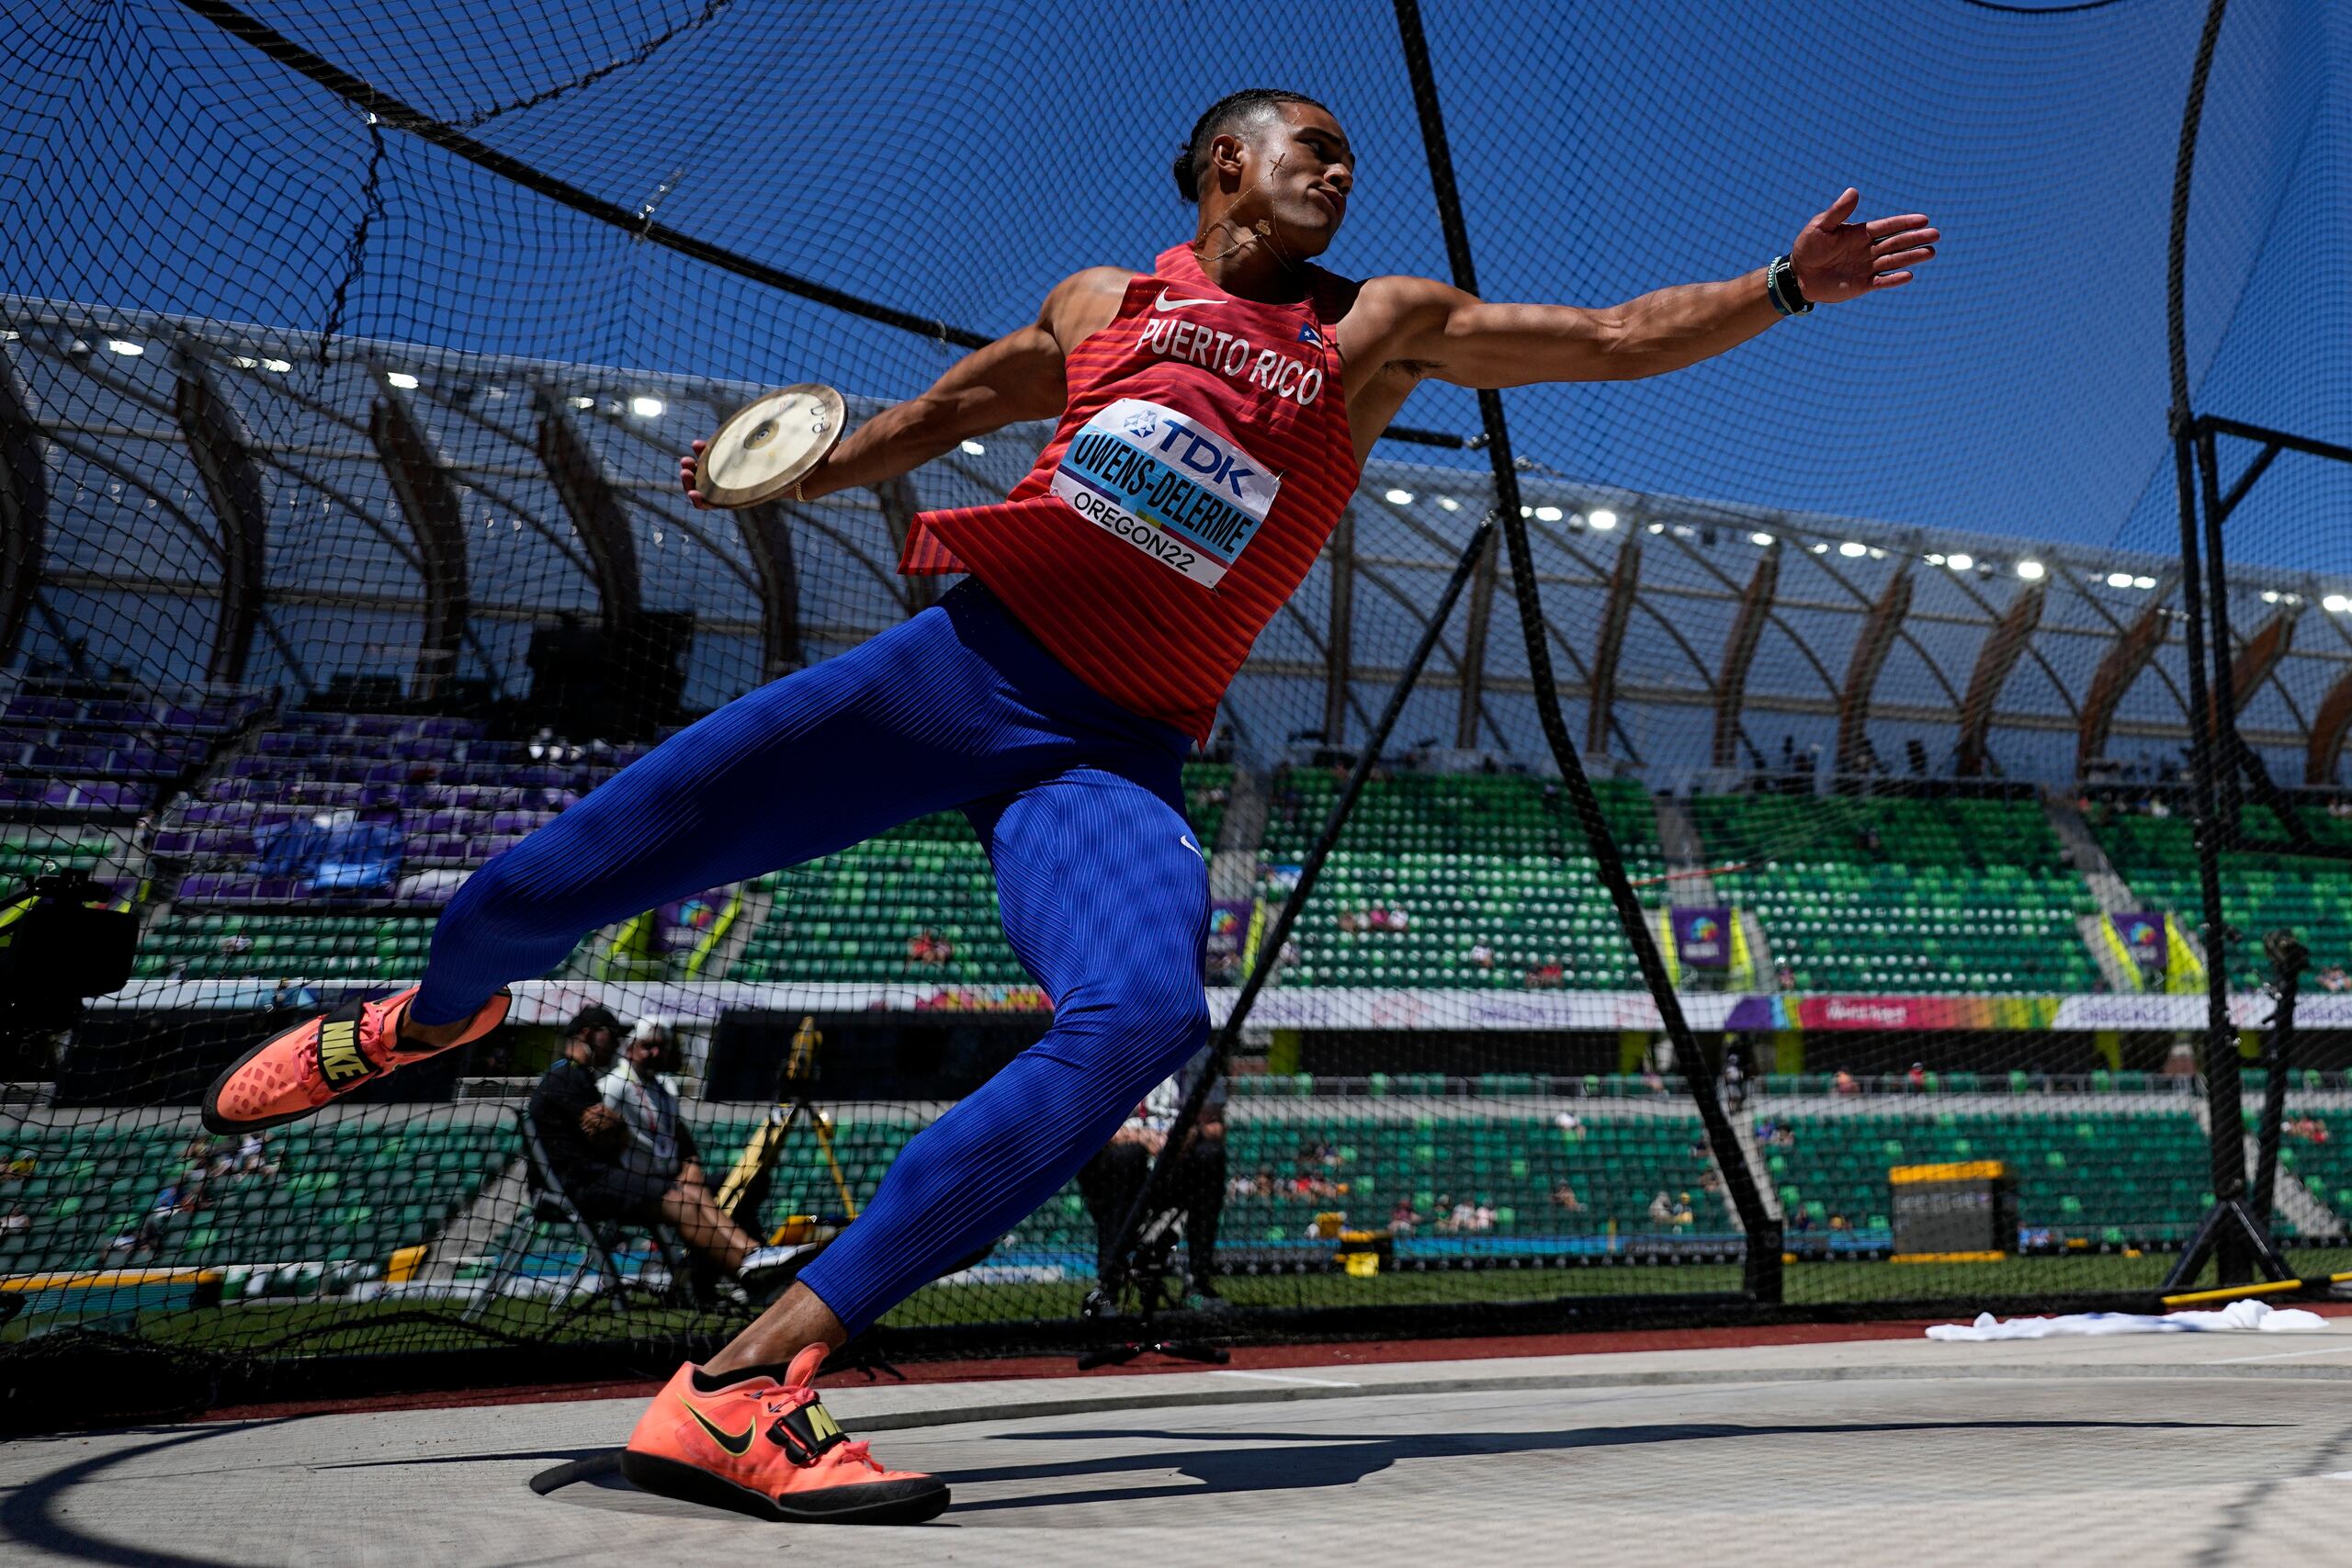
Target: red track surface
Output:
[(1245, 1357)]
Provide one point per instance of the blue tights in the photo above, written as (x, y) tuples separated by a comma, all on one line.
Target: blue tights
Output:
[(1104, 891)]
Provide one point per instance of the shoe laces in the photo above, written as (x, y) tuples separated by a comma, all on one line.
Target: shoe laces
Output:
[(778, 1400)]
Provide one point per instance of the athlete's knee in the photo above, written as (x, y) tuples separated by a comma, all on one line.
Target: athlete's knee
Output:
[(501, 899)]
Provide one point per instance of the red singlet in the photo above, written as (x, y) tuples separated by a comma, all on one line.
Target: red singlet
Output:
[(1197, 471)]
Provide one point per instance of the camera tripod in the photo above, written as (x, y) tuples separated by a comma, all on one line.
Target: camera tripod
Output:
[(746, 1184)]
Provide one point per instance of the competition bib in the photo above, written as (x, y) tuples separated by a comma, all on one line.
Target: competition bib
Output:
[(1167, 484)]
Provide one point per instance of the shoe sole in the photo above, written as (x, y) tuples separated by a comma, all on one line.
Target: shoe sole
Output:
[(215, 1122), (692, 1483)]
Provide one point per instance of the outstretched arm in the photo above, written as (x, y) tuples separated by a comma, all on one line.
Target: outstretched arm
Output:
[(1452, 337), (1017, 377)]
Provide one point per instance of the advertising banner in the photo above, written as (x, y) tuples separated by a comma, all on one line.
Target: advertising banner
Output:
[(2142, 931), (1702, 936)]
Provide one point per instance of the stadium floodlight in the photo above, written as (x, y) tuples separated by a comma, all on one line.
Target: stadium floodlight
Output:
[(584, 403), (646, 408), (1602, 518), (1852, 550), (2030, 570), (2143, 583), (276, 366), (1960, 560), (2119, 580), (401, 378), (1821, 548), (2270, 595), (1548, 514), (2335, 603), (1760, 539), (1658, 527), (125, 347), (1448, 504), (1527, 511), (1935, 559), (976, 449), (1405, 498)]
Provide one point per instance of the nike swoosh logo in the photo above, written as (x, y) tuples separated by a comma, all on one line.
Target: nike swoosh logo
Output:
[(1188, 844), (1165, 303), (736, 1443)]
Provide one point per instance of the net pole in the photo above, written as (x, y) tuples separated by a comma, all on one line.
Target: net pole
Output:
[(2223, 1095), (1762, 1272), (1262, 968)]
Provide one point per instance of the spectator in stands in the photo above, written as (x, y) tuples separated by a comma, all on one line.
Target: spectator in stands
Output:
[(1844, 1083), (1783, 977), (1683, 1218), (928, 948), (633, 1160), (1565, 1198), (1547, 976), (1661, 1210), (1481, 956), (2332, 979), (2181, 1062), (1916, 1080), (1403, 1219), (16, 1222), (1111, 1180), (253, 1155)]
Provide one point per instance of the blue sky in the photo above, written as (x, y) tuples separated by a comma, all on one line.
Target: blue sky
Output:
[(955, 160)]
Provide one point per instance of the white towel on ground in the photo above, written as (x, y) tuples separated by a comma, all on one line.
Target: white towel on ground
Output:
[(2237, 1317)]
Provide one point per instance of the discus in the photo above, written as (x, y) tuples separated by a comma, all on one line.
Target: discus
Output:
[(769, 445)]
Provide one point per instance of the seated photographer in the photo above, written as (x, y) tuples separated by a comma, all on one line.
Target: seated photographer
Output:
[(627, 1156), (1109, 1181)]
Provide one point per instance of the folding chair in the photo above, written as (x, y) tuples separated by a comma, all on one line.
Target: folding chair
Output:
[(550, 1206)]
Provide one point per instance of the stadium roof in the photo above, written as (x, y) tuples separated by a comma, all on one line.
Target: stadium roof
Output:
[(209, 502)]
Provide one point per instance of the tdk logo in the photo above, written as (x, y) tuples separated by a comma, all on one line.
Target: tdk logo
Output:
[(1203, 456)]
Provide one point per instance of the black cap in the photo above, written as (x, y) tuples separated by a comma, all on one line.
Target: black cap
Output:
[(592, 1016)]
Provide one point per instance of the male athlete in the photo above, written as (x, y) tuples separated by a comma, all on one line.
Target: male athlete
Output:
[(1213, 416)]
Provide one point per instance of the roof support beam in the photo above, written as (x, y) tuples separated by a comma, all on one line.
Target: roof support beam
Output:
[(2126, 657), (1624, 583), (428, 500), (767, 538), (2003, 647), (2258, 657), (1739, 652), (1876, 641), (2329, 727), (221, 448), (595, 509), (1474, 647), (24, 508), (1339, 633)]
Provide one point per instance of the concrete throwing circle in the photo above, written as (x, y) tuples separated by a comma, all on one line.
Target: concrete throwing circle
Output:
[(1916, 1469)]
